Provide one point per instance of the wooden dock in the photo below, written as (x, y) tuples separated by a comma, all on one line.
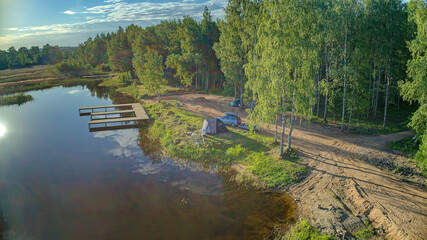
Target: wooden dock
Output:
[(134, 111)]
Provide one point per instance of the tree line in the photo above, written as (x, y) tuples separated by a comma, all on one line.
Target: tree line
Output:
[(172, 51), (24, 57), (319, 57), (342, 58)]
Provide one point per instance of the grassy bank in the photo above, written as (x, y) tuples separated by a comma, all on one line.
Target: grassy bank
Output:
[(15, 99), (410, 147), (134, 89), (303, 231), (139, 91), (42, 85), (28, 73), (406, 145), (255, 156)]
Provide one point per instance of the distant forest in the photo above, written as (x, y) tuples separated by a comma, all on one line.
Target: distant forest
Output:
[(24, 57), (348, 58)]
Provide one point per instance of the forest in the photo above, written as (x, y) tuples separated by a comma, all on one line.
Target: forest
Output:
[(24, 57), (346, 59)]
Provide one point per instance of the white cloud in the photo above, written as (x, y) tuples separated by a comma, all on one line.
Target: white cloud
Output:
[(126, 142), (69, 12), (114, 13), (73, 91)]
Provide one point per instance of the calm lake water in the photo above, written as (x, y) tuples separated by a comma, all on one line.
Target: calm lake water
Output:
[(60, 181)]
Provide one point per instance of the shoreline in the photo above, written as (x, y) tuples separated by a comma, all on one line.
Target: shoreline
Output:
[(331, 195)]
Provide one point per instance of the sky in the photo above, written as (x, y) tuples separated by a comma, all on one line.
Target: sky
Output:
[(26, 23)]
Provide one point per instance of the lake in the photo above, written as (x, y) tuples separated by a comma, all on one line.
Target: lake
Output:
[(60, 181)]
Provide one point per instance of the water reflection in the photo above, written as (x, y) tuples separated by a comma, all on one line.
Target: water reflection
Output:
[(60, 181), (74, 91), (2, 130), (127, 142)]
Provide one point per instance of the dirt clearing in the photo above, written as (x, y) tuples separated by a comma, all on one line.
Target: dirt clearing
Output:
[(342, 190)]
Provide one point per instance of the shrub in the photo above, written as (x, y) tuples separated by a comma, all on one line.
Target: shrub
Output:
[(102, 68), (70, 66), (304, 231), (365, 233), (421, 156), (273, 173), (15, 99), (235, 152)]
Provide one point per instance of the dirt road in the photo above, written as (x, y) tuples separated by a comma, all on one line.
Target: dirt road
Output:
[(342, 188)]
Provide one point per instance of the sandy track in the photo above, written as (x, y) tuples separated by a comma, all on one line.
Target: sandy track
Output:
[(342, 189)]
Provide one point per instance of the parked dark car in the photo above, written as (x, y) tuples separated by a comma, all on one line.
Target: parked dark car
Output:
[(231, 119), (235, 103)]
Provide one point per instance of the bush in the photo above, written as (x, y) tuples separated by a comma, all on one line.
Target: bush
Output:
[(88, 66), (406, 145), (273, 173), (235, 152), (102, 68), (70, 66), (304, 231), (15, 99), (365, 233), (421, 156), (125, 77)]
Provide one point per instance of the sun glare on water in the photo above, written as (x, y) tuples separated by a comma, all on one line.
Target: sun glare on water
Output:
[(2, 130)]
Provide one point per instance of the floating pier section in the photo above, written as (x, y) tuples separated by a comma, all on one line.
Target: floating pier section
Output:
[(105, 115)]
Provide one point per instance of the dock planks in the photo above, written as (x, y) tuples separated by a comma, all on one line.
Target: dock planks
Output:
[(136, 109)]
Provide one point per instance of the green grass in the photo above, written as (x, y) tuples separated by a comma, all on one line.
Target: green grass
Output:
[(43, 85), (303, 231), (406, 145), (28, 73), (368, 232), (139, 91), (131, 90), (375, 127), (15, 99), (369, 126), (112, 82), (27, 87), (397, 120), (179, 133), (411, 148)]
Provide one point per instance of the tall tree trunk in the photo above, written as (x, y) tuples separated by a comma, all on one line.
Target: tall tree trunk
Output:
[(388, 83), (327, 81), (207, 78), (275, 133), (386, 95), (369, 107), (349, 122), (345, 80), (197, 78), (241, 97), (318, 93), (291, 127), (282, 140), (374, 84), (377, 94), (235, 90), (242, 85), (386, 101)]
